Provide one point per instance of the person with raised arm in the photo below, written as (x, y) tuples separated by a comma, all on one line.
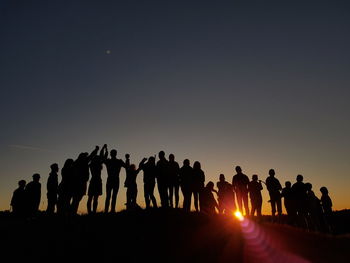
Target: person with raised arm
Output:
[(113, 166), (131, 185), (95, 185)]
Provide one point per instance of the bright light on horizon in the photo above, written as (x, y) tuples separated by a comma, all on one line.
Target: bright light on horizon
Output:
[(239, 215)]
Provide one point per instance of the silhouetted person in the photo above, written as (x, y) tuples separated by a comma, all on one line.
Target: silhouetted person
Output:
[(162, 179), (18, 201), (95, 186), (197, 183), (173, 184), (207, 200), (314, 209), (254, 188), (131, 185), (326, 203), (300, 198), (52, 189), (65, 188), (81, 177), (113, 166), (240, 185), (186, 179), (274, 187), (33, 195), (149, 181), (289, 202), (226, 196)]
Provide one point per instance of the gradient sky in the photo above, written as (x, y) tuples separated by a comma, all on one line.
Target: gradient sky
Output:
[(261, 84)]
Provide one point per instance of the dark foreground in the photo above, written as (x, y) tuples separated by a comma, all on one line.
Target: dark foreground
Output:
[(162, 236)]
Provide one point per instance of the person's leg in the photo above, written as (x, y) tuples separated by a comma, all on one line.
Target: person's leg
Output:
[(146, 195), (171, 195), (279, 206), (176, 195), (239, 201), (273, 206), (95, 203), (151, 194), (196, 201), (89, 204), (246, 206), (252, 202), (108, 197), (114, 195)]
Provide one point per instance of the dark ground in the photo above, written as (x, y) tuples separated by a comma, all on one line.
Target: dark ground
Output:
[(161, 236)]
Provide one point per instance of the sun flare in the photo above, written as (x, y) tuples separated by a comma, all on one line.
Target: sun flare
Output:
[(239, 215)]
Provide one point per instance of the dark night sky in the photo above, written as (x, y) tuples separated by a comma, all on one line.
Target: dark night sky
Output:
[(261, 84)]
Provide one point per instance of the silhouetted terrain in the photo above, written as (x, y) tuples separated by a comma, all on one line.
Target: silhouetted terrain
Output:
[(158, 236)]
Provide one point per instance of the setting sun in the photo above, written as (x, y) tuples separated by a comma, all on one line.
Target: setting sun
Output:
[(239, 215)]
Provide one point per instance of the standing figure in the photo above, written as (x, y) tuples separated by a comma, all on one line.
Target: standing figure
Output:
[(315, 216), (326, 203), (52, 189), (226, 196), (113, 166), (173, 184), (197, 183), (80, 178), (254, 188), (162, 179), (274, 187), (33, 195), (289, 202), (186, 179), (240, 185), (65, 188), (149, 181), (131, 185), (300, 198), (95, 186), (18, 201), (207, 200)]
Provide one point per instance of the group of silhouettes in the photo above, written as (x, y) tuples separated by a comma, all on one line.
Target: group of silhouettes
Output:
[(302, 206)]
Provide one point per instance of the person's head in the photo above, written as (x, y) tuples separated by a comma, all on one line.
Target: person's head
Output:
[(152, 160), (210, 185), (132, 167), (83, 155), (68, 163), (197, 165), (171, 157), (54, 167), (36, 177), (222, 177), (186, 162), (272, 172), (255, 177), (300, 178), (238, 169), (288, 184), (22, 183), (113, 153), (308, 186), (161, 155), (324, 190)]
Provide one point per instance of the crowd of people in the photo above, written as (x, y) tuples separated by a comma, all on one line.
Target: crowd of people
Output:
[(301, 204)]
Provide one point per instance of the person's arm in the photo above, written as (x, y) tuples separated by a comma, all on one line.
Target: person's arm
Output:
[(104, 153), (127, 161), (93, 153), (141, 165)]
